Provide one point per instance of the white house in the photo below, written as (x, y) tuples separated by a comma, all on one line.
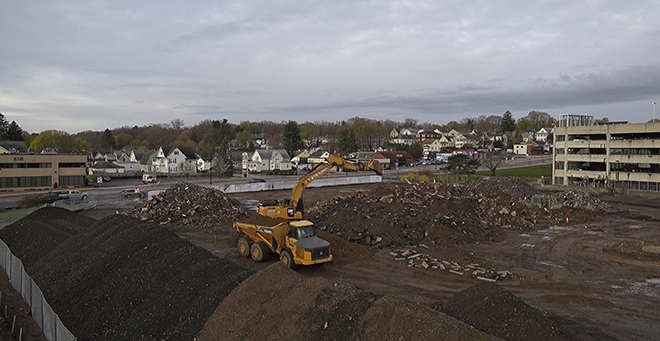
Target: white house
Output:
[(269, 159), (174, 160), (542, 135)]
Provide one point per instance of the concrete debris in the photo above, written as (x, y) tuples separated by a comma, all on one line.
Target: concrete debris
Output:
[(447, 214), (425, 261), (189, 204)]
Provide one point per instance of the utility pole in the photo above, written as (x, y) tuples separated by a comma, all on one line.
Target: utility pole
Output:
[(653, 112)]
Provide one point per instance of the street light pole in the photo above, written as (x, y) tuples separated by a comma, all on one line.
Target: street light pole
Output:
[(653, 112)]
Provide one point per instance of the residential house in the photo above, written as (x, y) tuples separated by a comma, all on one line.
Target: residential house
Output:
[(393, 158), (174, 160), (204, 164), (13, 147), (404, 139), (542, 135), (428, 135), (318, 157), (146, 162), (269, 159), (105, 167), (432, 146), (525, 148)]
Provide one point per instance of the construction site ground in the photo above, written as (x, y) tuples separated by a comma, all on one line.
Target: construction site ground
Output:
[(592, 274), (482, 254)]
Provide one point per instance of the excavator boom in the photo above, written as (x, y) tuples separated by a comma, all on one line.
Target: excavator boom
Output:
[(294, 208)]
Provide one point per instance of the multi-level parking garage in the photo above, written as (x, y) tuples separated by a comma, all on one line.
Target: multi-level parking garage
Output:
[(606, 154)]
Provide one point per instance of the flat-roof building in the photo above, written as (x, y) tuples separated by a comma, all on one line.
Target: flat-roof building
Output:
[(20, 172), (599, 155)]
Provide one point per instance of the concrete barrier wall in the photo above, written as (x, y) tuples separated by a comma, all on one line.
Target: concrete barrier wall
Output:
[(288, 184)]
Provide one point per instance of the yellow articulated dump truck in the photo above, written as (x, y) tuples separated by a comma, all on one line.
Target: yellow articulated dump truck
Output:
[(295, 241)]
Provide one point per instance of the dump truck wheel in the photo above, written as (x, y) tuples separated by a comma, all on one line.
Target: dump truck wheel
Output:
[(287, 259), (244, 247), (259, 252)]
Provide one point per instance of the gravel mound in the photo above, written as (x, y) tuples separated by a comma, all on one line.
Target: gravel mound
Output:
[(124, 279), (494, 310), (189, 204), (35, 235), (279, 304)]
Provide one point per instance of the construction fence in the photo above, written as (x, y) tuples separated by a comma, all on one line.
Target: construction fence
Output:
[(51, 325)]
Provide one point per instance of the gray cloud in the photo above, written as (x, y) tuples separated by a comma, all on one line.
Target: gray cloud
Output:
[(91, 65)]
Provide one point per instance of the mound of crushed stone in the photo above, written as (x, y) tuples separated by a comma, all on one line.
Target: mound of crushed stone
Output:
[(35, 235), (494, 310), (445, 214), (191, 205), (125, 279), (279, 304)]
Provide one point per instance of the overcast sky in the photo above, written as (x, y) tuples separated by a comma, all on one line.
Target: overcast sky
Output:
[(91, 65)]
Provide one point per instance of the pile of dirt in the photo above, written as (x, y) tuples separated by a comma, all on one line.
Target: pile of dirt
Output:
[(191, 205), (442, 214), (124, 279), (494, 310), (35, 235), (279, 304)]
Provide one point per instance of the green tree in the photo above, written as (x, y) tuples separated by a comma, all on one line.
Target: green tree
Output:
[(14, 132), (292, 139), (108, 141), (53, 139), (224, 165), (207, 147), (347, 140), (462, 164), (10, 131), (508, 123)]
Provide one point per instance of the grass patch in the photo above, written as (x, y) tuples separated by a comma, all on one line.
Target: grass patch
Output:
[(10, 216), (524, 172)]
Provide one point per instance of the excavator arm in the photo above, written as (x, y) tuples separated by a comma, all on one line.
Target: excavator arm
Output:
[(294, 208), (333, 161)]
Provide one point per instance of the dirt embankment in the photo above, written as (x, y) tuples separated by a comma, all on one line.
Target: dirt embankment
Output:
[(124, 279), (277, 303)]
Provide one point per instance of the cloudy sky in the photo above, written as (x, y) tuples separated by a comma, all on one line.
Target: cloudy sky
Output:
[(94, 64)]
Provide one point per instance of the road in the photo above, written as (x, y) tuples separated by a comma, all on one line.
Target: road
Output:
[(107, 195)]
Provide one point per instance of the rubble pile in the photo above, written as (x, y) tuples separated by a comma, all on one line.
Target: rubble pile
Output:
[(577, 199), (422, 260), (189, 204), (445, 214)]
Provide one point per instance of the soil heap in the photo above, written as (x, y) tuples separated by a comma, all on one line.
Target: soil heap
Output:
[(494, 310), (35, 235), (125, 279), (191, 205), (446, 214), (279, 304)]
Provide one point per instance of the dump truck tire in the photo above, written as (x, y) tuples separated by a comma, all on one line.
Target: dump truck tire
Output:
[(244, 247), (259, 252), (287, 259)]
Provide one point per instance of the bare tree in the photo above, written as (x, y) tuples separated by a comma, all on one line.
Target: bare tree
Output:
[(177, 123), (493, 161)]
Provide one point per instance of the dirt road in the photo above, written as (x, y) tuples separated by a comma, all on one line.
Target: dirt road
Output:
[(594, 274)]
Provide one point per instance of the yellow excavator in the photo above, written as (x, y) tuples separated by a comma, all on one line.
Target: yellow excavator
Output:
[(292, 208)]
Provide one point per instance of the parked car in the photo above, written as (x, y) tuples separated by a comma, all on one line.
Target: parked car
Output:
[(130, 193), (53, 196), (147, 178), (73, 194), (256, 180), (106, 178)]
